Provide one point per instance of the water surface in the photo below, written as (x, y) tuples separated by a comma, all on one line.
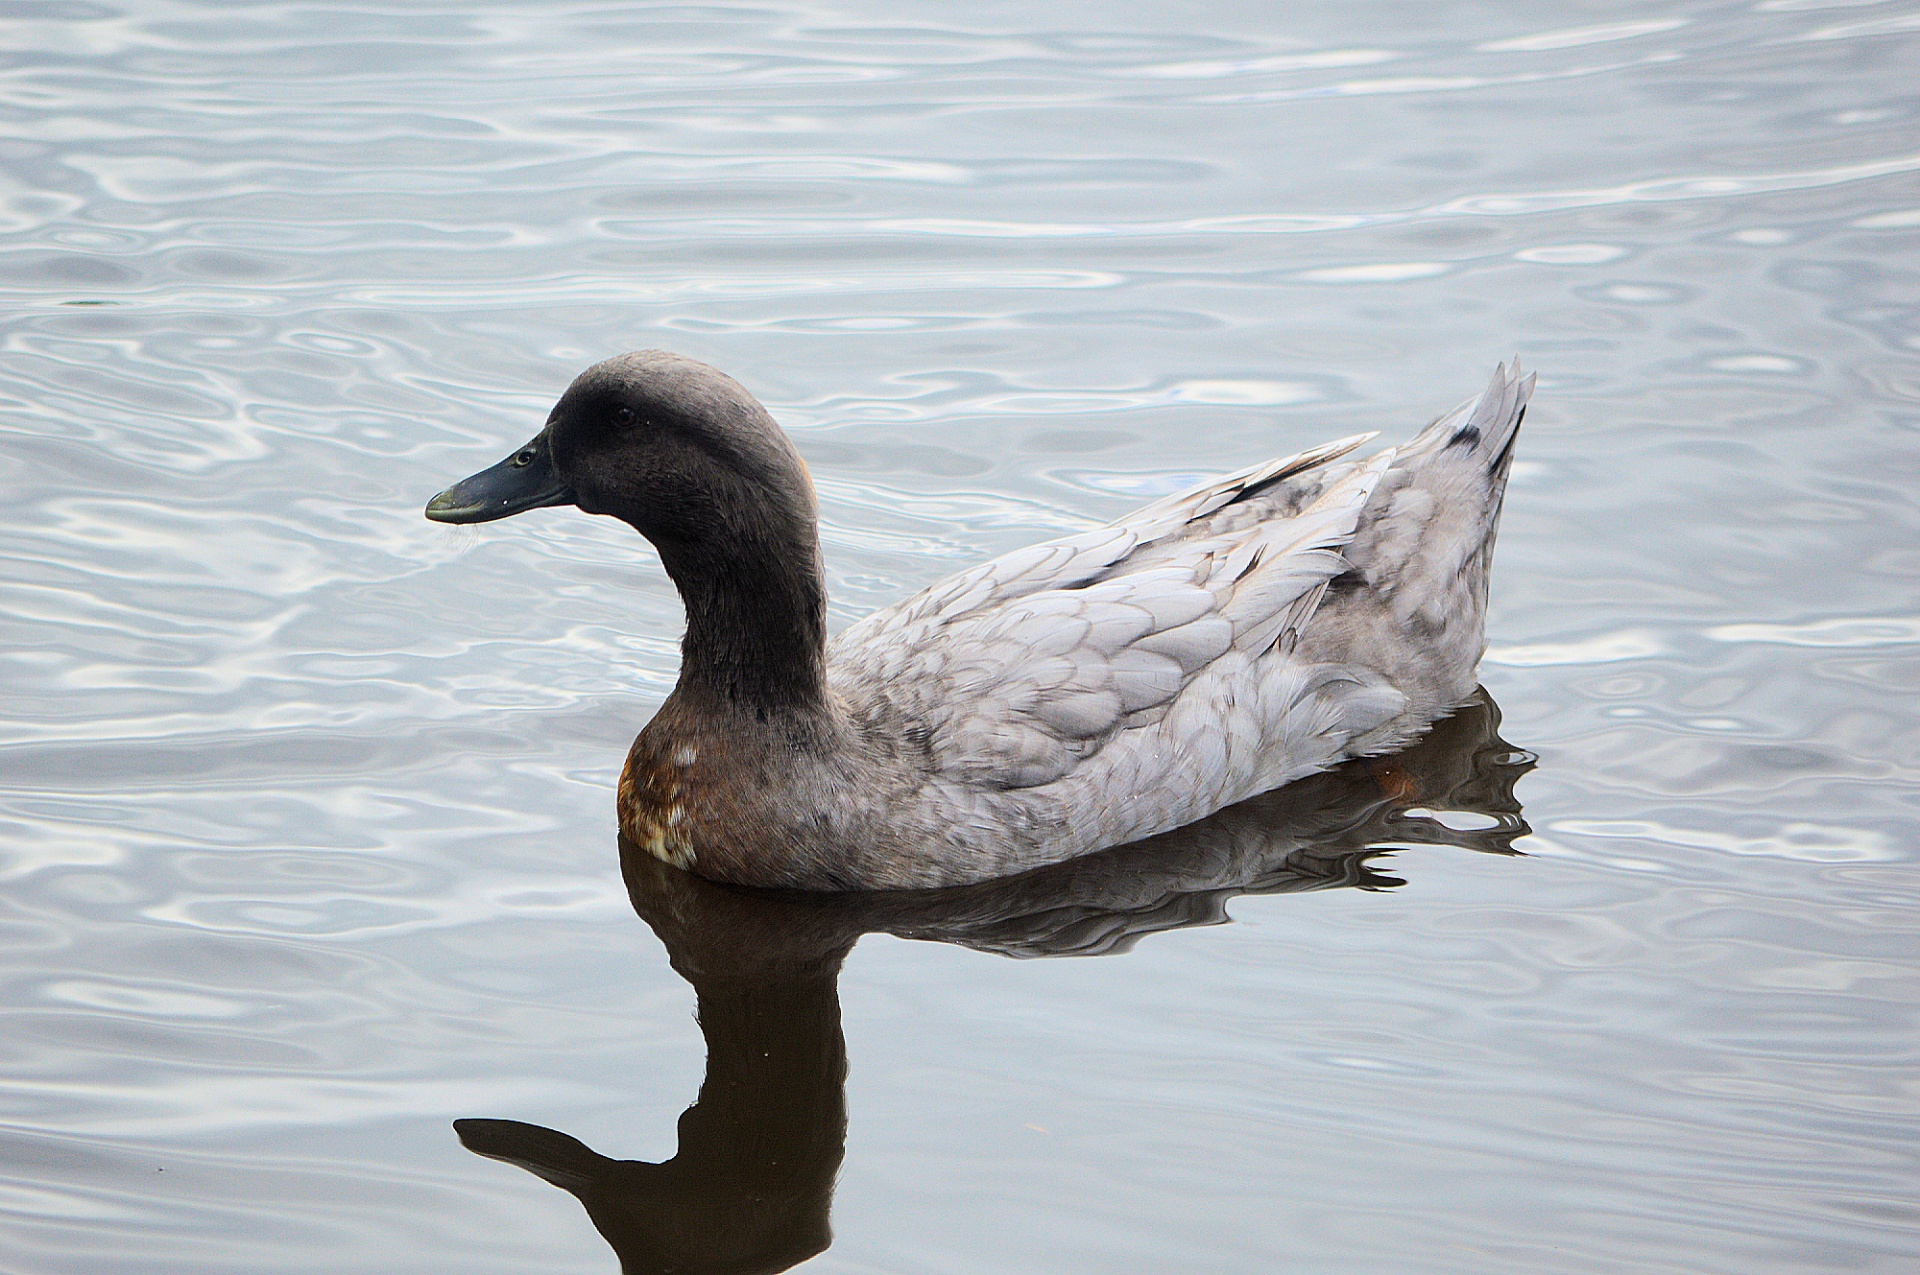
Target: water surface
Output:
[(306, 822)]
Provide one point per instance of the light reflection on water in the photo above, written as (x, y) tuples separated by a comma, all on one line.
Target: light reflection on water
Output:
[(307, 806)]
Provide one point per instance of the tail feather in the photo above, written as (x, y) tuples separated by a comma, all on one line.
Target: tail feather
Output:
[(1490, 422), (1412, 609)]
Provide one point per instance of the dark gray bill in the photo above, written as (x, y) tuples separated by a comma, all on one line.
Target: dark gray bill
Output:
[(524, 480)]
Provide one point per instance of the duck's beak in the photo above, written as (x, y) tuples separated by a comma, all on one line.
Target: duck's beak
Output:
[(524, 480)]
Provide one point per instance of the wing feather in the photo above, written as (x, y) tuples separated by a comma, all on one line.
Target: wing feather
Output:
[(1020, 669)]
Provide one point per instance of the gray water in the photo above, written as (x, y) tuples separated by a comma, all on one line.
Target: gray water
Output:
[(306, 819)]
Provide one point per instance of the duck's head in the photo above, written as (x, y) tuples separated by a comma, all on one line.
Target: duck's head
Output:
[(676, 448)]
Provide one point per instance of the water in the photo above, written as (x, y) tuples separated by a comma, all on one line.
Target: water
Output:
[(308, 827)]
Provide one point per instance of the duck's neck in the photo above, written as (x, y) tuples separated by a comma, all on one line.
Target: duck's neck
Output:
[(756, 624)]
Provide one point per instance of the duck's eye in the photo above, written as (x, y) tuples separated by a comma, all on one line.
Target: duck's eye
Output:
[(523, 458), (623, 415)]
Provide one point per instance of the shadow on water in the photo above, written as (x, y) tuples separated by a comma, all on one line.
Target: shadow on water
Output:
[(751, 1184)]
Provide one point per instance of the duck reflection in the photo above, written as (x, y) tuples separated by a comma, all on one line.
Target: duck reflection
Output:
[(750, 1187)]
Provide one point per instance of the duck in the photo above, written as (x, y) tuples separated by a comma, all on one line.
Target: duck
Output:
[(1081, 693)]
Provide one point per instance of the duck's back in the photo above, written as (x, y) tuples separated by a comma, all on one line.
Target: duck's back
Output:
[(1120, 682)]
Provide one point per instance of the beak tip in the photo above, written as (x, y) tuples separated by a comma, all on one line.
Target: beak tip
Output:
[(442, 509)]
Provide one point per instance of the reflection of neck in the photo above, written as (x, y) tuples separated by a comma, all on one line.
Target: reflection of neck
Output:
[(771, 1119), (751, 1186), (752, 1182)]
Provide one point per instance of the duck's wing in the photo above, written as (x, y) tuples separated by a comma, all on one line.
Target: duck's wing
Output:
[(1012, 674), (1085, 558)]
